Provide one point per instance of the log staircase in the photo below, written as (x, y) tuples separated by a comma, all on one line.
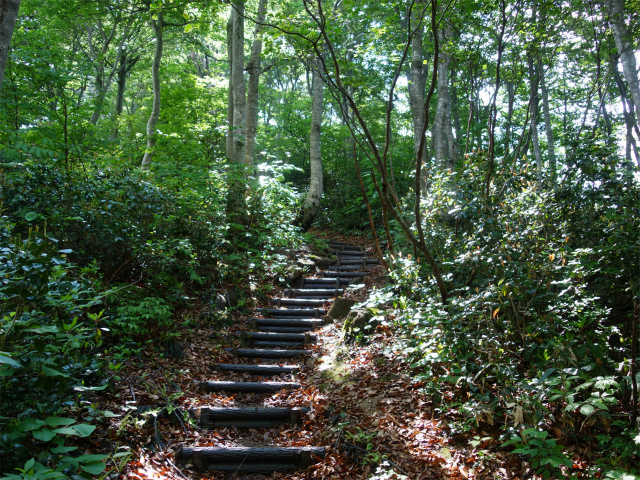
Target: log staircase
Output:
[(281, 334)]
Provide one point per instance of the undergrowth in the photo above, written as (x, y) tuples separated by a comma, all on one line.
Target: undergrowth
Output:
[(96, 265), (535, 340)]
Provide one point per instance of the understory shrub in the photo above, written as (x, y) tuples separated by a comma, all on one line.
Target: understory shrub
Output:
[(537, 328)]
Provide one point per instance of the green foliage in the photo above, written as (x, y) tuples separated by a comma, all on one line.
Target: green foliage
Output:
[(49, 311), (545, 455), (537, 327)]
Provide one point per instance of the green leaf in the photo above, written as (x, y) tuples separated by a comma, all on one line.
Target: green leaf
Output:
[(9, 361), (84, 429), (587, 409), (188, 27), (29, 424), (44, 434), (89, 389), (29, 464), (94, 468), (63, 449), (50, 372), (57, 421), (91, 457), (29, 217)]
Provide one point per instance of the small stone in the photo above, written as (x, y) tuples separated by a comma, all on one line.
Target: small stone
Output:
[(340, 308), (220, 302), (323, 262)]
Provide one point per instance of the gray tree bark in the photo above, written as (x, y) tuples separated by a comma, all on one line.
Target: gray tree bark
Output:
[(8, 16), (157, 26), (625, 50), (254, 81), (533, 75), (229, 137), (546, 110), (314, 195), (444, 143), (417, 83), (239, 91), (235, 144)]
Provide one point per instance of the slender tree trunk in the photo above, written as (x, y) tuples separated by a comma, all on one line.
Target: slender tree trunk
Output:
[(417, 81), (546, 110), (314, 195), (239, 88), (511, 94), (254, 80), (8, 16), (100, 94), (122, 83), (126, 64), (625, 50), (229, 137), (629, 117), (158, 27), (534, 117), (457, 128), (444, 143), (236, 205)]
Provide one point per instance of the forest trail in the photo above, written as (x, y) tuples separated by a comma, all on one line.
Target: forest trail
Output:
[(280, 335), (284, 395)]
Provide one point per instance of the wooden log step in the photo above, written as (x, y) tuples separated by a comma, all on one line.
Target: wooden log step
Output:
[(276, 345), (279, 337), (346, 268), (345, 274), (247, 460), (247, 417), (298, 302), (286, 322), (268, 353), (358, 261), (346, 248), (270, 328), (354, 254), (247, 387), (258, 369), (314, 292), (341, 244), (289, 312), (323, 283)]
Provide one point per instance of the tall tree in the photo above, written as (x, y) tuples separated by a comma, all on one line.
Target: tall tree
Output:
[(417, 77), (446, 150), (8, 16), (157, 24), (254, 70), (625, 49), (314, 195), (236, 206)]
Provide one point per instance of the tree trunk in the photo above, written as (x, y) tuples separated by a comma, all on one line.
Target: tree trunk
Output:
[(417, 82), (236, 205), (547, 122), (533, 75), (314, 195), (444, 143), (239, 89), (126, 64), (628, 113), (511, 94), (229, 137), (8, 16), (254, 80), (625, 50), (157, 26)]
